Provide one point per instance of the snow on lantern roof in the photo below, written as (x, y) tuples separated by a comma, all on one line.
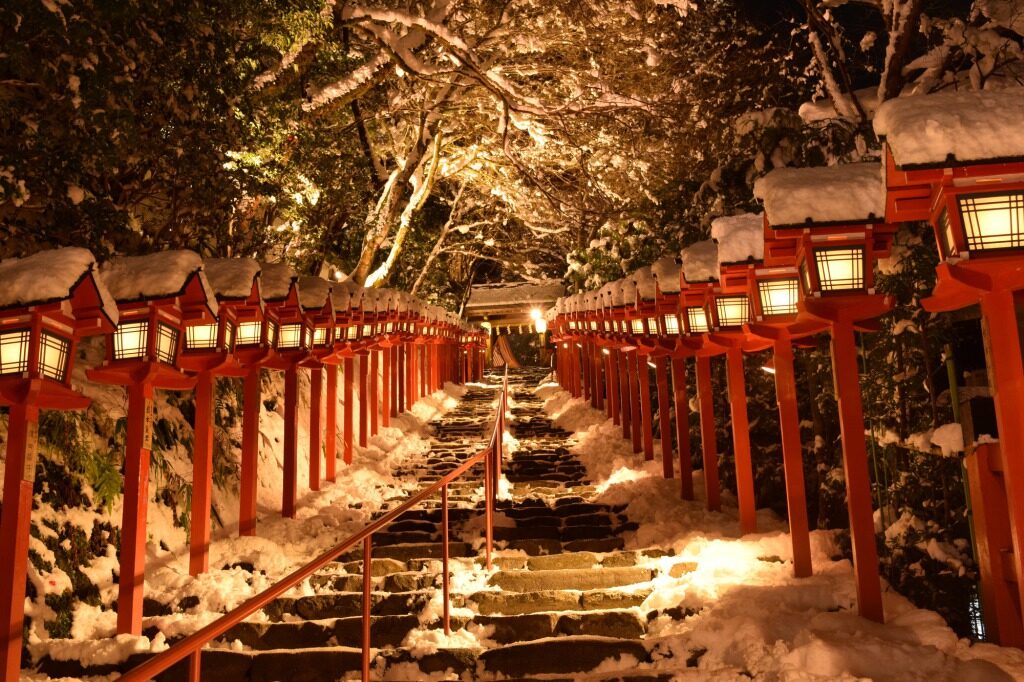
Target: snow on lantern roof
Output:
[(512, 293), (157, 275), (50, 276), (313, 292), (342, 294), (276, 280), (627, 290), (646, 285), (231, 278), (607, 294), (700, 261), (666, 271), (849, 193), (950, 128), (740, 237)]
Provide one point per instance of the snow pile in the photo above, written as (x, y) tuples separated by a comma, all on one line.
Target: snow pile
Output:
[(314, 292), (646, 285), (231, 278), (826, 109), (964, 126), (667, 271), (276, 280), (700, 261), (157, 275), (848, 193), (740, 238), (949, 438), (48, 276)]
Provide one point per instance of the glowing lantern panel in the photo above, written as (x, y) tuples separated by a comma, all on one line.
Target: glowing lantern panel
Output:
[(697, 320), (778, 296), (166, 343), (320, 336), (200, 336), (993, 221), (130, 340), (638, 326), (14, 352), (53, 356), (290, 336), (733, 311), (652, 325), (671, 324), (249, 333), (840, 269)]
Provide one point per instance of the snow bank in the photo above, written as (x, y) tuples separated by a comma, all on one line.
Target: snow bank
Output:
[(965, 126), (231, 278), (848, 193), (740, 238), (700, 262)]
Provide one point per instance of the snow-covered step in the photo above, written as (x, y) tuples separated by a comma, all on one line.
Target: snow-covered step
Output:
[(534, 580), (513, 603)]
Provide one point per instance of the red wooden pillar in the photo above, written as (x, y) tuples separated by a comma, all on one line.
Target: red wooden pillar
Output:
[(599, 378), (994, 539), (396, 381), (741, 440), (347, 418), (634, 400), (625, 405), (646, 408), (364, 408), (385, 394), (709, 446), (661, 372), (402, 365), (374, 395), (682, 409), (998, 309), (202, 476), (331, 424), (792, 456), (612, 372), (291, 442), (316, 386), (588, 373), (22, 449), (855, 464), (248, 484), (424, 360), (139, 441)]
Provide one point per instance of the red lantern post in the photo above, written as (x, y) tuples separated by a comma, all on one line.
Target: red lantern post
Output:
[(967, 179), (318, 307), (834, 214), (152, 293), (48, 302)]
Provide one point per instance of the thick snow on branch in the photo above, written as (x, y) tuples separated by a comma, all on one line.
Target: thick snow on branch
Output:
[(350, 83)]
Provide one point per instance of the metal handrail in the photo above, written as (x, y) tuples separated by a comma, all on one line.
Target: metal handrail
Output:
[(191, 647)]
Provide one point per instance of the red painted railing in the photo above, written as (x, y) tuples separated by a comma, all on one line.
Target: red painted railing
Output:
[(192, 646)]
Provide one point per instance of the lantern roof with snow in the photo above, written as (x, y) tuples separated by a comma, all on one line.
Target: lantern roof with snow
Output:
[(953, 128), (740, 238), (666, 271), (828, 195), (58, 275), (314, 293), (646, 285), (231, 279), (163, 275), (276, 280), (700, 262)]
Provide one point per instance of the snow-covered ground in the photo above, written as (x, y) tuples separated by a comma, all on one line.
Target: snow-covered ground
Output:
[(750, 616), (240, 566)]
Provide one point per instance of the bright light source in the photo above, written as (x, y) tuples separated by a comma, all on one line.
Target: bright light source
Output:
[(290, 336), (770, 370), (651, 365), (840, 269), (200, 336), (166, 343), (778, 296), (53, 356), (248, 333), (697, 319), (536, 314), (14, 352), (993, 221), (606, 351), (638, 326), (671, 324), (733, 311), (541, 325), (130, 340)]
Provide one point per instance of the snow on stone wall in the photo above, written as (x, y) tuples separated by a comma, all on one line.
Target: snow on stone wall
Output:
[(849, 193), (740, 237), (965, 126), (700, 261)]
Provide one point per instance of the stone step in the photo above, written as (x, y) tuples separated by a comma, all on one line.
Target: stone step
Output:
[(561, 655), (405, 552), (534, 580), (517, 603)]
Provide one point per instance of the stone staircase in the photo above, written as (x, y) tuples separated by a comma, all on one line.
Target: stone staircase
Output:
[(563, 596)]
